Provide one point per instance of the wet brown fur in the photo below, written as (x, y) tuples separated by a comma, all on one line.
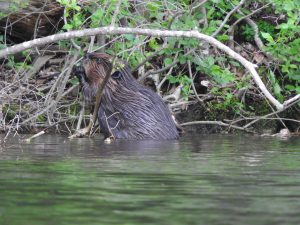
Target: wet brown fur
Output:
[(128, 109)]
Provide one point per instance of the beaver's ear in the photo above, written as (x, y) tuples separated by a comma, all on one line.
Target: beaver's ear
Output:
[(116, 75)]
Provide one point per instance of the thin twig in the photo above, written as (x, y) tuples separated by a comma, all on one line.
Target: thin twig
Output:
[(197, 6), (154, 54), (49, 106), (246, 16), (148, 73), (220, 123), (117, 10), (257, 39), (81, 114), (72, 40), (193, 84), (271, 114), (227, 18)]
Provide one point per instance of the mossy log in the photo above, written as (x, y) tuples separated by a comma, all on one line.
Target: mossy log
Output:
[(29, 19)]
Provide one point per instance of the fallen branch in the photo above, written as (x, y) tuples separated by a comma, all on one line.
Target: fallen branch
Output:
[(291, 101), (262, 118), (296, 99), (49, 106), (152, 32), (34, 136), (219, 123)]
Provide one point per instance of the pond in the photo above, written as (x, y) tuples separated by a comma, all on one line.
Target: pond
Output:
[(202, 179)]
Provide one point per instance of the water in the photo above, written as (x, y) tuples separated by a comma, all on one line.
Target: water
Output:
[(196, 180)]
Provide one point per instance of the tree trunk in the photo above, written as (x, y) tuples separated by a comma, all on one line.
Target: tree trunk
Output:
[(37, 18)]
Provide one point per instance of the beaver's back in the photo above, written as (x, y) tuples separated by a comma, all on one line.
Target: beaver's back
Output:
[(135, 112), (128, 109)]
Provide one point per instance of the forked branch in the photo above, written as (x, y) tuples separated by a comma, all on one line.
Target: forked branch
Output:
[(150, 32)]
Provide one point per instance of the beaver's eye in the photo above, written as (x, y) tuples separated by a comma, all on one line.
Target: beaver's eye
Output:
[(116, 75), (98, 60)]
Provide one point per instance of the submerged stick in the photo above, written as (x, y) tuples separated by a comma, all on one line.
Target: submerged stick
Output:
[(34, 136)]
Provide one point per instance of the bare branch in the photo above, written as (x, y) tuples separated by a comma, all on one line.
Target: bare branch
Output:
[(118, 5), (291, 103), (34, 136), (194, 7), (219, 123), (152, 32), (49, 106), (193, 84), (72, 40), (175, 61), (227, 18), (257, 39), (247, 16)]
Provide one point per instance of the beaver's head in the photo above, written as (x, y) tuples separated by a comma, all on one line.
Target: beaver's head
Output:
[(91, 72), (96, 66)]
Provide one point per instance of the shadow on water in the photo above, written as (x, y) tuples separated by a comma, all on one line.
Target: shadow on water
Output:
[(195, 180)]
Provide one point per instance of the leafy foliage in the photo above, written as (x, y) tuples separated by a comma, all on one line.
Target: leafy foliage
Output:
[(183, 80), (278, 29), (12, 6), (281, 39), (284, 45)]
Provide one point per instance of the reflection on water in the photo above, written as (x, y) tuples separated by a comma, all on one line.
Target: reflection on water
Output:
[(195, 180)]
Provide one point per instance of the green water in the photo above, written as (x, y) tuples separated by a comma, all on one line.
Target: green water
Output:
[(195, 180)]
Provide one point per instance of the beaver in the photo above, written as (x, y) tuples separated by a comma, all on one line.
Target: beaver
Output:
[(128, 110)]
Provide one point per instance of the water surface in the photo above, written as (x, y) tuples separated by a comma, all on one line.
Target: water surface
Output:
[(196, 180)]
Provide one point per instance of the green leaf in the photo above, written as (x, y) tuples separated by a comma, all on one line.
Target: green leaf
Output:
[(153, 6), (234, 63), (153, 44), (267, 36), (168, 61), (97, 16), (129, 37), (290, 87), (172, 79), (295, 77), (277, 89), (289, 5), (223, 37), (74, 81), (68, 26), (182, 59)]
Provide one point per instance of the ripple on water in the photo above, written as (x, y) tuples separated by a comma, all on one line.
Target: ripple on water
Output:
[(195, 180)]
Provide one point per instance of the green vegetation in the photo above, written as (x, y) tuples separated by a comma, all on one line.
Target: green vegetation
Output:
[(11, 6), (186, 62), (280, 35)]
